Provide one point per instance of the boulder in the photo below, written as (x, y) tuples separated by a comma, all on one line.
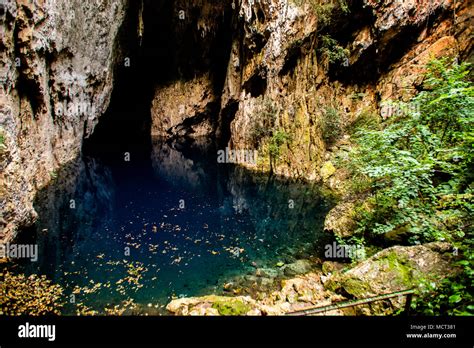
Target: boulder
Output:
[(327, 170), (341, 220), (329, 267), (213, 305), (267, 272), (298, 267), (394, 269)]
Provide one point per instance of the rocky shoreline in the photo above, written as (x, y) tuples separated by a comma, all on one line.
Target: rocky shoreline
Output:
[(393, 269)]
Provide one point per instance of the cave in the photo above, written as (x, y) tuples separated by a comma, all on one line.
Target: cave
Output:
[(201, 180), (168, 191), (168, 49), (256, 85)]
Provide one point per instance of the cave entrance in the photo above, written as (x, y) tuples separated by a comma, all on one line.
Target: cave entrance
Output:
[(161, 42), (183, 223)]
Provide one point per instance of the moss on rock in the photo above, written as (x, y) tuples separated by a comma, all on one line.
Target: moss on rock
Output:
[(212, 305), (231, 306), (356, 287), (393, 269), (327, 170)]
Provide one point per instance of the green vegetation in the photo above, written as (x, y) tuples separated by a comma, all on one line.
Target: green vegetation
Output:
[(266, 132), (231, 307), (425, 174), (2, 139), (453, 295), (331, 49), (325, 9), (278, 138), (265, 122), (418, 169), (331, 125)]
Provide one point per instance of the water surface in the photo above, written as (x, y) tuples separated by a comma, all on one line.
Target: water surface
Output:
[(178, 224)]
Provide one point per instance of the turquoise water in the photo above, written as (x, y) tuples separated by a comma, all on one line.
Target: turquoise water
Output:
[(178, 224)]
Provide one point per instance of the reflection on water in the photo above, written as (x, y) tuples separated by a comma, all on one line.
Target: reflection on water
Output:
[(180, 224)]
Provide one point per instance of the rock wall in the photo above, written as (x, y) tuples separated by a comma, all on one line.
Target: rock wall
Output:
[(195, 38), (278, 76), (57, 63), (184, 108), (298, 71), (306, 68)]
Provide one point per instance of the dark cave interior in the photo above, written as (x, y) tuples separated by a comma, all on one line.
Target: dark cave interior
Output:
[(171, 49)]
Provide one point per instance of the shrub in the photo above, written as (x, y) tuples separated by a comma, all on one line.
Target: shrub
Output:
[(278, 138), (453, 296), (331, 125), (367, 119), (265, 121), (330, 49), (324, 10), (2, 138), (427, 156), (419, 166)]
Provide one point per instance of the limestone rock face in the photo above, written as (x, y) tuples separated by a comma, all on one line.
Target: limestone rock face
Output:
[(393, 15), (184, 108), (279, 75), (185, 103), (56, 75)]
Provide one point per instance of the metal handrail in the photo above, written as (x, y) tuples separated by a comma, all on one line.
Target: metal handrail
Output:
[(315, 309)]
